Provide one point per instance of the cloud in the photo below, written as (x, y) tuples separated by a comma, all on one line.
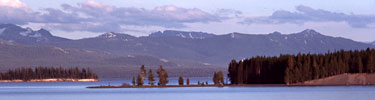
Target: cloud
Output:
[(166, 16), (99, 17), (12, 3), (229, 13), (16, 12), (307, 14)]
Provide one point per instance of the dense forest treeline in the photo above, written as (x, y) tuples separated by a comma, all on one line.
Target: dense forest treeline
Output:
[(46, 73), (286, 69)]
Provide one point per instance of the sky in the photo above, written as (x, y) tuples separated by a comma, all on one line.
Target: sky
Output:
[(76, 19)]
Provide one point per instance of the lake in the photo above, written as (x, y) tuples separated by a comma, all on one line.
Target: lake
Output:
[(77, 91)]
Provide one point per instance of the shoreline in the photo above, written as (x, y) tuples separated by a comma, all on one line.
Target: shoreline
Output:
[(51, 80), (154, 86), (238, 85)]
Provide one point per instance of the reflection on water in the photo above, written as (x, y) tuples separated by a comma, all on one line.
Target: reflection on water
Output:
[(77, 91)]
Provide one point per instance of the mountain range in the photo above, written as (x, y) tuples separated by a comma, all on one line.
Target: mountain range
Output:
[(170, 48)]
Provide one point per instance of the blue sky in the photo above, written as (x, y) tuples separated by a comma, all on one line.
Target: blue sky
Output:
[(354, 19)]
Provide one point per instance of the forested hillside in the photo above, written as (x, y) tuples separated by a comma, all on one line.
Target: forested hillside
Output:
[(301, 67), (26, 74)]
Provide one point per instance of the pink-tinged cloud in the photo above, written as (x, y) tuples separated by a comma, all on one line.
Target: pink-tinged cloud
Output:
[(12, 3), (16, 12), (102, 14), (99, 17)]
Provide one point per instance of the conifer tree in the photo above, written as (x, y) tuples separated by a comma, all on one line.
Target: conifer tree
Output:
[(163, 76), (287, 76), (150, 78), (370, 63), (187, 81), (143, 72), (133, 80), (220, 77), (140, 80), (180, 81), (215, 79), (359, 64), (233, 72)]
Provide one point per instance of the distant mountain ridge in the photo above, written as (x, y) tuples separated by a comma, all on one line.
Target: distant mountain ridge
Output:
[(106, 64), (215, 49), (13, 33), (198, 47), (176, 48)]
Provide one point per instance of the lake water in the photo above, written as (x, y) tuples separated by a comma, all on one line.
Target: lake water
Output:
[(77, 91)]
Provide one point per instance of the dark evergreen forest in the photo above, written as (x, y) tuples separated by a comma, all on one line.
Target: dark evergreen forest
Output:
[(46, 73), (285, 69)]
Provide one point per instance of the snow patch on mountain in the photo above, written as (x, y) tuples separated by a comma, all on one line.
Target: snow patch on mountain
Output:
[(61, 49), (27, 32), (11, 41), (131, 56), (109, 35), (36, 35), (191, 36), (206, 64), (372, 43), (181, 35), (321, 41), (89, 51), (2, 30), (164, 60)]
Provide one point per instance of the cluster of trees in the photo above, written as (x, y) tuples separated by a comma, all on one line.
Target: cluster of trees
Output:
[(301, 67), (218, 78), (46, 73), (162, 74), (181, 81)]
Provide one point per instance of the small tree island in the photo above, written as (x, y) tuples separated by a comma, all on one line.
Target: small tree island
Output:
[(138, 82), (48, 74)]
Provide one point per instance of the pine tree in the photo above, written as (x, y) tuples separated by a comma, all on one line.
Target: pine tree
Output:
[(315, 68), (163, 76), (180, 81), (150, 78), (220, 77), (287, 76), (359, 64), (133, 80), (139, 80), (187, 81), (232, 72), (240, 73), (215, 79), (370, 63), (143, 72)]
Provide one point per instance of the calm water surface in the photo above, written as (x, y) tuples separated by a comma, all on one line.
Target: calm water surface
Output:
[(77, 91)]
